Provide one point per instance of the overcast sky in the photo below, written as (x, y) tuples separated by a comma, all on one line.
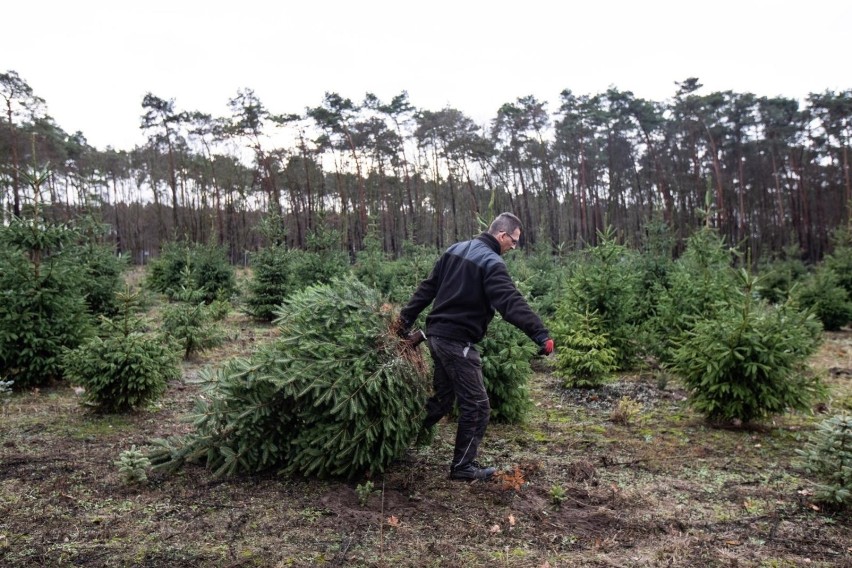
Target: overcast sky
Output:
[(93, 61)]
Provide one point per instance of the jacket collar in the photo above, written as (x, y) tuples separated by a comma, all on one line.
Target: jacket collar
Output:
[(491, 241)]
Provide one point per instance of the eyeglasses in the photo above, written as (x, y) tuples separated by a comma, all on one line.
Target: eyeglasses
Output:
[(511, 238)]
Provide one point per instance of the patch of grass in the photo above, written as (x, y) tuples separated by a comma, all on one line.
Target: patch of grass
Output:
[(90, 427)]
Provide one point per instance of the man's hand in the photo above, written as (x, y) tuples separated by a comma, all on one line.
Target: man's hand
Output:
[(402, 328), (546, 347), (415, 338)]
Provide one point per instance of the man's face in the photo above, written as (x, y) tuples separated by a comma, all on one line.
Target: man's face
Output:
[(508, 241)]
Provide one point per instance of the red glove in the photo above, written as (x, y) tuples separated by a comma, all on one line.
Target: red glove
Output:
[(546, 347)]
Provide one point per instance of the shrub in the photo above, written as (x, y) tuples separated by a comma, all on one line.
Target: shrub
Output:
[(166, 272), (337, 394), (404, 274), (653, 266), (371, 262), (102, 268), (625, 411), (542, 276), (828, 455), (747, 361), (557, 495), (212, 274), (396, 278), (410, 269), (363, 491), (322, 260), (123, 369), (278, 271), (506, 354)]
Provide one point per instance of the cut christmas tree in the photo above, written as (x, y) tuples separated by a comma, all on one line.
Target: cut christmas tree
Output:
[(337, 394)]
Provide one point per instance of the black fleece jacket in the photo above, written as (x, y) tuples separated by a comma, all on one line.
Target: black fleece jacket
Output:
[(468, 283)]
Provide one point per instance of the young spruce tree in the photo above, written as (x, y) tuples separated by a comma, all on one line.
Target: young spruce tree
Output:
[(42, 307), (828, 455), (123, 368), (506, 354), (747, 360)]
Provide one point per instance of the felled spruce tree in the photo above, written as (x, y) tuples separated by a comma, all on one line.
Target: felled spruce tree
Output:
[(337, 394)]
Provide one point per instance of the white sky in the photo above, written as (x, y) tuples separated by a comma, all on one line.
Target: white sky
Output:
[(93, 61)]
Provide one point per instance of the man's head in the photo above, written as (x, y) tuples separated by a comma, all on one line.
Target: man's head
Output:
[(506, 228)]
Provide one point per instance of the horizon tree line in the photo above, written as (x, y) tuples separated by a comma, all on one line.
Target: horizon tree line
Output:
[(771, 174)]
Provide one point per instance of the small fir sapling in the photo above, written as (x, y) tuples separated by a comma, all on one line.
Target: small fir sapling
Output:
[(747, 361), (828, 456), (122, 369)]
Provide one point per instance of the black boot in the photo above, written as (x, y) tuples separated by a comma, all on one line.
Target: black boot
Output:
[(471, 471)]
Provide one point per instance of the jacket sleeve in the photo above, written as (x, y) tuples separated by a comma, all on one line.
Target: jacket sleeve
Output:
[(423, 296), (506, 299)]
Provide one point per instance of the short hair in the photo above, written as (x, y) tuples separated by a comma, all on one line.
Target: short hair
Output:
[(504, 223)]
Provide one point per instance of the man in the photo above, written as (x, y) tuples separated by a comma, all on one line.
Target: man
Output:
[(468, 283)]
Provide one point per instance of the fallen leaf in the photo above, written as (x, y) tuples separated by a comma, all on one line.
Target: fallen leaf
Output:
[(814, 507), (733, 542), (510, 480), (393, 521), (495, 529), (511, 520)]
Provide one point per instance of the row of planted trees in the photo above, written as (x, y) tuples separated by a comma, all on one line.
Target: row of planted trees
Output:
[(337, 393), (778, 169)]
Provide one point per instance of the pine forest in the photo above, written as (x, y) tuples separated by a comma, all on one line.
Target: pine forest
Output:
[(778, 169)]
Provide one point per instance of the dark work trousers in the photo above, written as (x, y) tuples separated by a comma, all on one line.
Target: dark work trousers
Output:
[(458, 376)]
